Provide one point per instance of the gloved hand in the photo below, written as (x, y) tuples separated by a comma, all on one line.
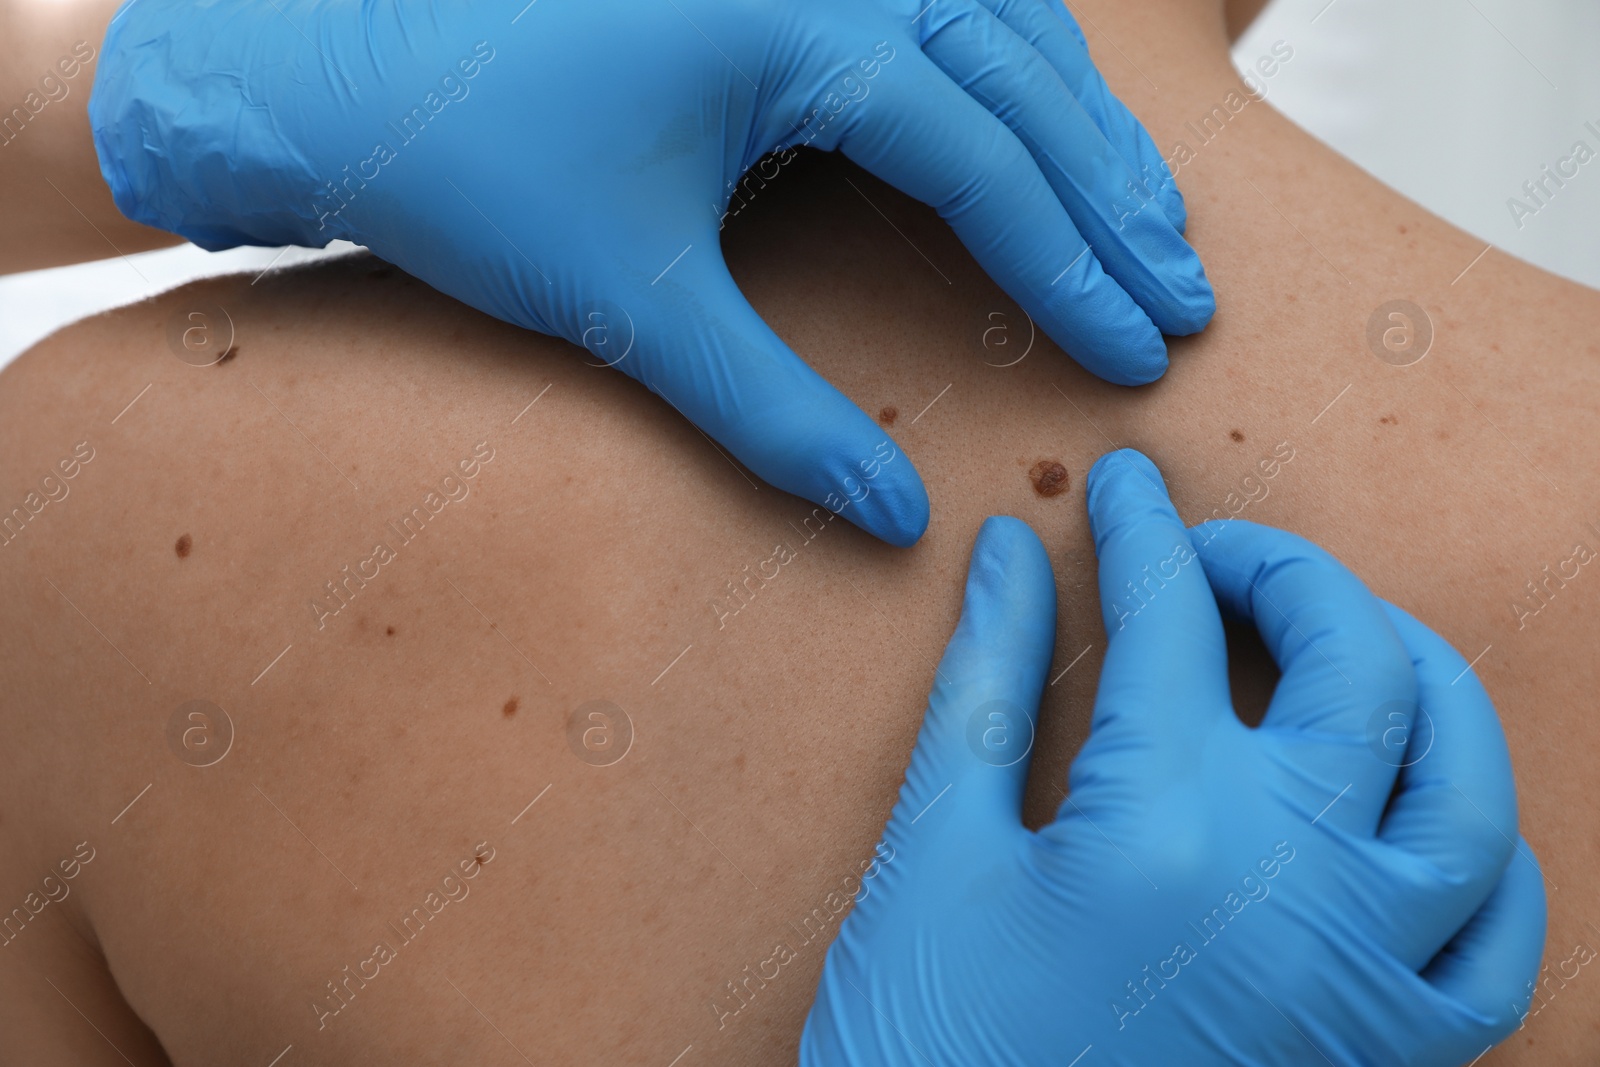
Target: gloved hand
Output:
[(1207, 894), (566, 167)]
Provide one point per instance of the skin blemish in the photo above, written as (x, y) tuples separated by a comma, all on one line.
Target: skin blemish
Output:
[(1236, 435), (389, 631), (510, 709), (1049, 478), (478, 860), (1389, 420), (888, 414), (184, 546), (233, 350)]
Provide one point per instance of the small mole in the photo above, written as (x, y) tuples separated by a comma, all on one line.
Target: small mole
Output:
[(389, 631), (233, 350), (1402, 228), (1236, 435), (1390, 420), (1049, 478), (184, 545), (1293, 299), (478, 859), (888, 415), (510, 709)]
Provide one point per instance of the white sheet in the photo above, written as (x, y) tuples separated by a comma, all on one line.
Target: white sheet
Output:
[(38, 303), (1455, 103)]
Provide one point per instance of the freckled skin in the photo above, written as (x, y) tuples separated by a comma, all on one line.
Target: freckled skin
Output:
[(184, 545), (1049, 477)]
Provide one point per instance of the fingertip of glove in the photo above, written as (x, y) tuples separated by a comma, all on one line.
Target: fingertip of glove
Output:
[(1201, 306), (1009, 562), (1140, 367), (1176, 210), (1111, 469), (1124, 484), (1190, 303), (1006, 536), (896, 512)]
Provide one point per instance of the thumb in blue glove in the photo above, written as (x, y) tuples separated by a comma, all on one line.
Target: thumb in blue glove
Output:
[(1208, 893), (565, 167)]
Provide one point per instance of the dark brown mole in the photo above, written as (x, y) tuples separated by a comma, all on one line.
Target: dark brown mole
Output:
[(510, 709), (478, 859), (184, 546), (1049, 478), (888, 414), (233, 350), (389, 631), (1236, 435)]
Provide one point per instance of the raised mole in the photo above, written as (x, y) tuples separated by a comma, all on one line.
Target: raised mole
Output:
[(1049, 478), (184, 545), (888, 414)]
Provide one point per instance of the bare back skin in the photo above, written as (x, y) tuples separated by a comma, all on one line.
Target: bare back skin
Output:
[(403, 547)]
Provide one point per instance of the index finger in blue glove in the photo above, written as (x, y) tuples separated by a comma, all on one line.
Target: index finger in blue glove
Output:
[(1456, 804), (978, 734), (1068, 52), (1166, 666), (1139, 249), (698, 343), (921, 133), (1344, 667)]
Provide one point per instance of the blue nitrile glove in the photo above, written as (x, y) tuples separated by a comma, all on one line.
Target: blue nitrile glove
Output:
[(567, 166), (1208, 894)]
